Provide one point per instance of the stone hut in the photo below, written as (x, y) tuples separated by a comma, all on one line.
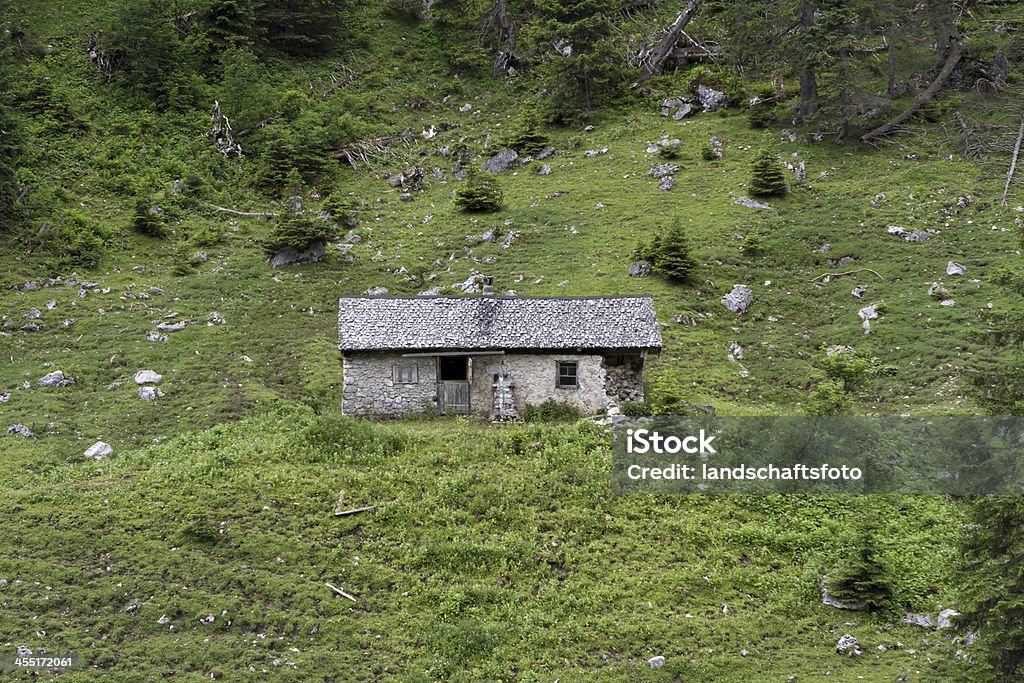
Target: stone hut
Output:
[(492, 356)]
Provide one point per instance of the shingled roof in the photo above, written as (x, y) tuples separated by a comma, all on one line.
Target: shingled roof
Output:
[(496, 323)]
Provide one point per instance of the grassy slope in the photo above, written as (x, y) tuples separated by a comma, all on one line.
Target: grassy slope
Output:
[(496, 554), (462, 560)]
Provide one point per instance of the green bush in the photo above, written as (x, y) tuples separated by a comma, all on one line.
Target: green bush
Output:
[(635, 409), (82, 240), (147, 221), (669, 150), (298, 232), (767, 178), (550, 411), (845, 366), (479, 193)]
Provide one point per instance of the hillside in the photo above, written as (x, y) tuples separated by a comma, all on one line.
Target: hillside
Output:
[(495, 552)]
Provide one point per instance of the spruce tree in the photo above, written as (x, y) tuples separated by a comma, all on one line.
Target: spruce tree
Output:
[(865, 577), (671, 254), (767, 178), (480, 193)]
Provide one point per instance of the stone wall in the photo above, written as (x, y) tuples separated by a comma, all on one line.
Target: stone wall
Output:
[(534, 377), (370, 389)]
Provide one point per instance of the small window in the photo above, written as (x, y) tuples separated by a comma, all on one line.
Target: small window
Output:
[(404, 374), (568, 375)]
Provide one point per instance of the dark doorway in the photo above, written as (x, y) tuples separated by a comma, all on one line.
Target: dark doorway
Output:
[(453, 369)]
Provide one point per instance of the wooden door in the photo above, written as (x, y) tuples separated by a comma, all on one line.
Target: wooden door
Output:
[(453, 397)]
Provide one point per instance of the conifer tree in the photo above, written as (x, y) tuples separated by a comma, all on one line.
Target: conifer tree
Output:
[(767, 178)]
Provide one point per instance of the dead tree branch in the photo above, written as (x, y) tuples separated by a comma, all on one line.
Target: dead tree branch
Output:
[(366, 151), (1013, 160), (956, 51), (220, 133), (248, 214), (655, 61)]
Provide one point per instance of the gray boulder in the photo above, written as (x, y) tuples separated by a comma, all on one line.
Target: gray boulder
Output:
[(148, 377), (946, 618), (641, 268), (922, 620), (847, 645), (502, 161), (56, 379), (683, 112), (172, 327), (545, 153), (656, 662), (99, 450), (662, 170), (544, 170), (667, 183), (954, 268), (868, 312), (376, 291), (752, 203), (739, 299), (313, 253), (149, 393), (710, 98), (19, 430)]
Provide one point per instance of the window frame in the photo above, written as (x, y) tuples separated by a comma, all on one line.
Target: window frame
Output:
[(575, 375), (397, 373)]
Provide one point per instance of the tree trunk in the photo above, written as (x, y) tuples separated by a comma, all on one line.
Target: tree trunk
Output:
[(506, 26), (956, 51), (808, 79), (656, 63)]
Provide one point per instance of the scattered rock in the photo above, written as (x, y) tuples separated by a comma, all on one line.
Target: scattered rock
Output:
[(19, 430), (590, 153), (946, 618), (466, 107), (868, 312), (56, 379), (473, 284), (922, 620), (164, 619), (376, 291), (34, 314), (148, 377), (313, 253), (735, 351), (909, 236), (405, 197), (172, 327), (858, 292), (214, 318), (667, 183), (99, 450), (938, 291), (841, 261), (5, 397), (433, 291), (30, 327), (544, 170), (682, 112), (133, 606), (848, 646), (502, 161), (948, 302), (954, 268), (50, 305), (656, 662), (662, 170), (641, 268), (710, 98), (154, 336), (838, 348), (739, 299), (752, 203), (149, 393), (545, 153)]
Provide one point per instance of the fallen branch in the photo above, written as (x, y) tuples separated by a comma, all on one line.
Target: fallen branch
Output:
[(956, 51), (365, 151), (831, 276), (656, 61), (1013, 160), (252, 214), (340, 592), (353, 511)]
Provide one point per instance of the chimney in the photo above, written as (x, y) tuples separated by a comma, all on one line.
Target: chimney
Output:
[(488, 289)]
